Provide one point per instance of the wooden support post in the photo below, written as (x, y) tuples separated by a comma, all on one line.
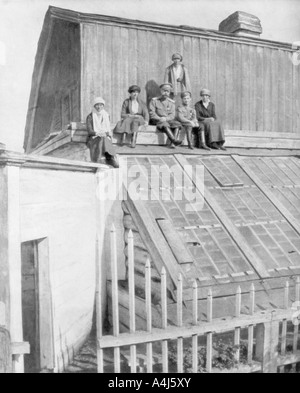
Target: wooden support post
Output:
[(267, 338), (251, 327), (237, 332), (131, 285), (100, 367), (164, 317), (209, 339), (195, 322), (284, 323), (149, 315), (179, 324), (115, 297), (10, 257)]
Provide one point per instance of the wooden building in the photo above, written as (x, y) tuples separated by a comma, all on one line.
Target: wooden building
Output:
[(247, 230), (253, 81), (50, 223)]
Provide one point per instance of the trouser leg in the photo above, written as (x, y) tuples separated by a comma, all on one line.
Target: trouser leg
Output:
[(134, 138), (123, 139), (202, 142), (189, 137)]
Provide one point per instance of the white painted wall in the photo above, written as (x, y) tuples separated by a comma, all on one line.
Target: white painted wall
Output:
[(61, 206)]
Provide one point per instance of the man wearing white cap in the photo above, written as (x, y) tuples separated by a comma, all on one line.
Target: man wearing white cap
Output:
[(100, 135)]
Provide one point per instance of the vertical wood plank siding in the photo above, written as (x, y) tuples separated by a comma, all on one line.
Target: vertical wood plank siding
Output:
[(58, 98), (254, 87)]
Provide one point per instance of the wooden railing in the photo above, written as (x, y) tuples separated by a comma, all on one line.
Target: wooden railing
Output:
[(271, 344)]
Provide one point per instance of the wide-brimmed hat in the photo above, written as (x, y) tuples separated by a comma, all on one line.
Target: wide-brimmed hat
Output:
[(177, 56), (186, 93), (205, 92), (134, 88), (166, 86), (99, 100)]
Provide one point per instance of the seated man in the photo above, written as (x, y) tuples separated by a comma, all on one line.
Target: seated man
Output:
[(187, 117), (162, 114)]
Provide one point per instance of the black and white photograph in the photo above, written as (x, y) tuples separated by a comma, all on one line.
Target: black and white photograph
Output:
[(149, 189)]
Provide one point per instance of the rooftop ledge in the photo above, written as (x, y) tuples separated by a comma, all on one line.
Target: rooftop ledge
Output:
[(9, 158), (77, 133)]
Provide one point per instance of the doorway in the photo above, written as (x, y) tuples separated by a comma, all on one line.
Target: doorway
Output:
[(37, 307)]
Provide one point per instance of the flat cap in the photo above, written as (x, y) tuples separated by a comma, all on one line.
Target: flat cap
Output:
[(166, 86), (186, 93), (134, 88), (177, 56), (204, 92)]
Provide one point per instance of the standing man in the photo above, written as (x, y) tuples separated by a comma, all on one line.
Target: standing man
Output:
[(162, 114)]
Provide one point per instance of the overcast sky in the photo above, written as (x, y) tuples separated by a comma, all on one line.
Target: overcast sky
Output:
[(21, 23)]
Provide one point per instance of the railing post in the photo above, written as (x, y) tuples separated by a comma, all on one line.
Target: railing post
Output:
[(267, 338)]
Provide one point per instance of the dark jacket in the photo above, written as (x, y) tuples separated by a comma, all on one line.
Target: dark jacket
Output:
[(204, 113), (127, 110)]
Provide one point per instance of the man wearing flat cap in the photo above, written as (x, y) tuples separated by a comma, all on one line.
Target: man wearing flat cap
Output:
[(134, 114), (162, 114), (177, 75)]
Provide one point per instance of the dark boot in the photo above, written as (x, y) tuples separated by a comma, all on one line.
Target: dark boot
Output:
[(202, 143), (215, 146), (123, 139), (189, 137), (221, 147), (176, 135), (112, 161), (170, 135), (134, 138)]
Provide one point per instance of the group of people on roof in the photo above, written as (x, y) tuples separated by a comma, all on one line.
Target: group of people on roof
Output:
[(170, 112)]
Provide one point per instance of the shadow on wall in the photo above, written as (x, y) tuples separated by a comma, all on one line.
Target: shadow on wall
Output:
[(152, 90)]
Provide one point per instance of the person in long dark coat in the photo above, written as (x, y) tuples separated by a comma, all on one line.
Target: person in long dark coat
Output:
[(177, 75), (206, 114), (100, 135), (134, 114)]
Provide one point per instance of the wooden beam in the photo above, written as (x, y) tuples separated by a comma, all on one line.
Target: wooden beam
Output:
[(269, 194), (233, 231), (157, 246), (79, 17), (22, 348), (175, 242), (218, 325)]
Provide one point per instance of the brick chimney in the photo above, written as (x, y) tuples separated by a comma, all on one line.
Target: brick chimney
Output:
[(241, 24)]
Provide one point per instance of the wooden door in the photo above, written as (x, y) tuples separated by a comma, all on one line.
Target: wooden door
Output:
[(30, 306), (37, 306)]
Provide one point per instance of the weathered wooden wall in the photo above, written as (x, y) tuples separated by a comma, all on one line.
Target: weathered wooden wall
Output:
[(255, 86), (59, 90)]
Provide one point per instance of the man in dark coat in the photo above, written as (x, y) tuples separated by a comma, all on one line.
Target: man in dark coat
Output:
[(162, 114)]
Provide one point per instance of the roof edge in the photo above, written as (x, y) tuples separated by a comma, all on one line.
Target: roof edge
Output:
[(81, 17)]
